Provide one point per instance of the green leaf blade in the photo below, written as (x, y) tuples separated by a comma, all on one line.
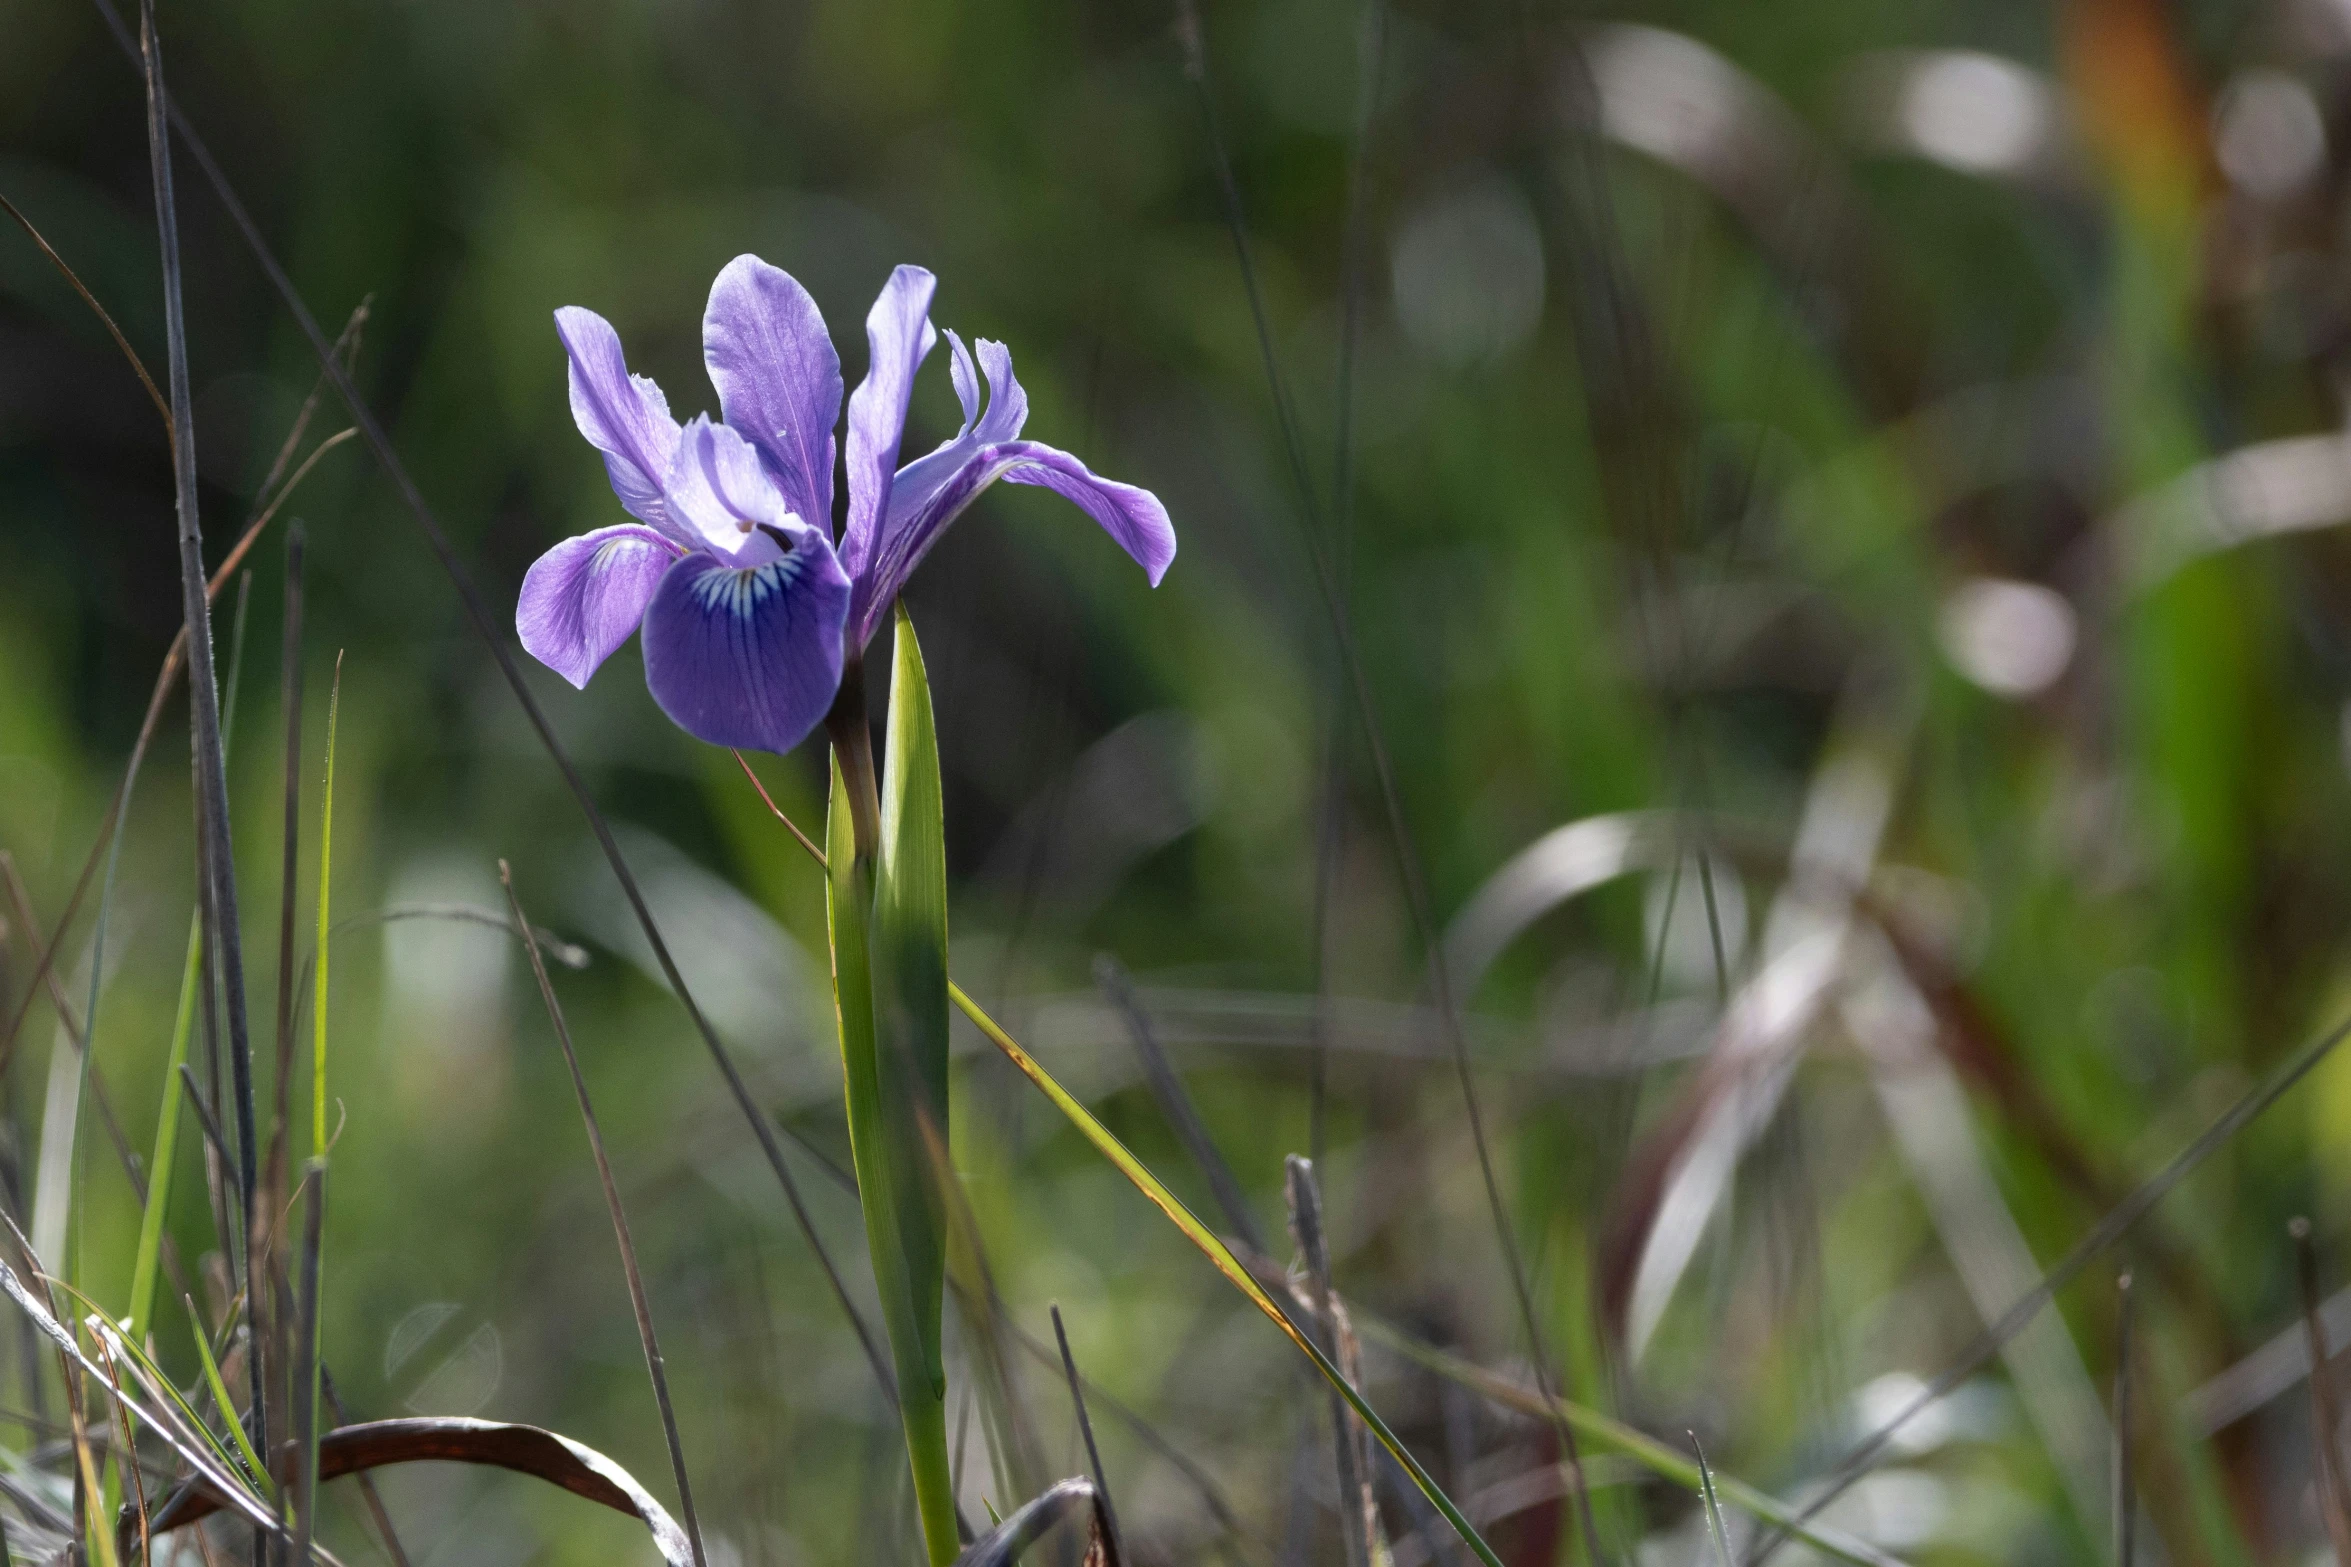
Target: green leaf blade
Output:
[(910, 991), (904, 1234)]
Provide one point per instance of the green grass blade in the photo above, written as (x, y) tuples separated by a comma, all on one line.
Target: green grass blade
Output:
[(254, 1467), (148, 1373), (909, 957), (1714, 1523), (910, 985), (167, 1142), (849, 883), (1221, 1257), (167, 1121)]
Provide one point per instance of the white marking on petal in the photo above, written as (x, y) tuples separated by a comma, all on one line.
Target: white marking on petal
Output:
[(740, 590)]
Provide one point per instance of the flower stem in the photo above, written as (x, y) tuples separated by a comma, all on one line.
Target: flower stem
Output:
[(852, 738)]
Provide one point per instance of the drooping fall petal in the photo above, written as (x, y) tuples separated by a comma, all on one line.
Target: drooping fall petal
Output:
[(582, 598), (748, 656)]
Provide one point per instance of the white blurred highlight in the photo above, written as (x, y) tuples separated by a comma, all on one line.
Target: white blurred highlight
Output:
[(2268, 134), (1669, 96), (2286, 486), (1976, 113), (2011, 638)]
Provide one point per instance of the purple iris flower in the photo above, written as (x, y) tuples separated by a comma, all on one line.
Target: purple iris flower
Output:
[(749, 606)]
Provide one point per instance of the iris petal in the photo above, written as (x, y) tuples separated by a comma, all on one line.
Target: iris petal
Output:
[(623, 416), (748, 656), (930, 492), (720, 490), (778, 377), (1134, 517), (582, 598), (899, 333)]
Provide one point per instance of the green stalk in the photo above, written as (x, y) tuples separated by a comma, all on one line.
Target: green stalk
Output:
[(922, 1406)]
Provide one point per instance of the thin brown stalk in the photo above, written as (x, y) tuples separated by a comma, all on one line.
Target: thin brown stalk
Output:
[(620, 1219), (138, 366), (127, 1462), (1358, 1513), (790, 825), (367, 1485)]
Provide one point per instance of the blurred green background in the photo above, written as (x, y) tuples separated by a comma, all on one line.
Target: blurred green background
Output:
[(1900, 443)]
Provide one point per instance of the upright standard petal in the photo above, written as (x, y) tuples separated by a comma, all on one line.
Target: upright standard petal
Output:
[(623, 416), (730, 500), (1134, 517), (899, 334), (748, 656), (778, 377), (582, 598)]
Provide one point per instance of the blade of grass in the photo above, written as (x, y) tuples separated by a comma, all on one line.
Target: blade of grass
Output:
[(620, 1219), (1714, 1523), (848, 900), (228, 1407), (238, 1497), (91, 1496), (167, 1137), (908, 959), (189, 1425), (1114, 1552)]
